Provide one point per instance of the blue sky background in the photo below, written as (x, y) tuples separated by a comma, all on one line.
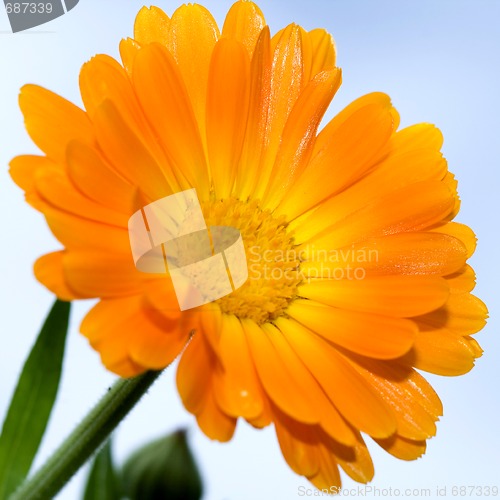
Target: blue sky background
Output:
[(439, 61)]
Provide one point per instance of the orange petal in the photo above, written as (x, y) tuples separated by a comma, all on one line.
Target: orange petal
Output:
[(127, 368), (128, 52), (105, 316), (303, 380), (463, 280), (298, 137), (113, 327), (52, 121), (445, 353), (420, 205), (401, 168), (243, 23), (348, 390), (164, 98), (402, 448), (127, 153), (392, 173), (194, 373), (370, 335), (155, 347), (324, 137), (266, 417), (298, 443), (23, 169), (307, 53), (49, 272), (334, 424), (193, 33), (151, 25), (236, 386), (53, 186), (88, 171), (115, 357), (413, 401), (207, 320), (421, 135), (103, 78), (227, 110), (355, 460), (311, 453), (323, 51), (214, 422), (348, 153), (75, 232), (92, 274), (397, 296), (160, 298), (463, 313), (452, 184), (461, 232), (328, 477), (277, 377), (255, 136), (422, 253), (286, 84)]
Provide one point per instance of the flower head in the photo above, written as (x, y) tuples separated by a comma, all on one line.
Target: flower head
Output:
[(357, 274)]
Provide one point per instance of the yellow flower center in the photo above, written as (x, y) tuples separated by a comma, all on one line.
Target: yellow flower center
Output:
[(273, 264)]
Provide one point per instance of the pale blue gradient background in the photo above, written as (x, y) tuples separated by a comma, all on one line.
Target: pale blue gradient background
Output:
[(439, 60)]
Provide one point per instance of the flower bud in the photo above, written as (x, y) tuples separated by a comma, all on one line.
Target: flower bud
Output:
[(163, 469)]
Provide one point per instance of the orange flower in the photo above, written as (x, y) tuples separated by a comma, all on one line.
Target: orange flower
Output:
[(359, 274)]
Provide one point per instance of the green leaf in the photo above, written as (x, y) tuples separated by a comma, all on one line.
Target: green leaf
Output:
[(32, 401), (102, 483), (86, 438), (163, 469)]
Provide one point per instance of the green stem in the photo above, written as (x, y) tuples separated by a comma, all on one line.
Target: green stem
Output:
[(91, 433)]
